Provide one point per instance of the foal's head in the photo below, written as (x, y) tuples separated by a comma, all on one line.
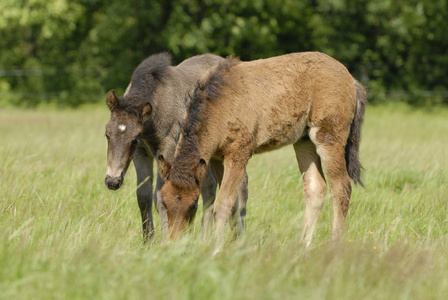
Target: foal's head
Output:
[(123, 133), (180, 193)]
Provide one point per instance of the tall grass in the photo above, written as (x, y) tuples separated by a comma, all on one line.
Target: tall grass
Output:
[(63, 235)]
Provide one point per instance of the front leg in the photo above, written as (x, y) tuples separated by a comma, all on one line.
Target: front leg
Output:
[(234, 172), (239, 209), (238, 223), (143, 162), (161, 209), (208, 191)]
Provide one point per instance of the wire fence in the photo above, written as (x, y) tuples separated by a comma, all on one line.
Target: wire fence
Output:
[(28, 93)]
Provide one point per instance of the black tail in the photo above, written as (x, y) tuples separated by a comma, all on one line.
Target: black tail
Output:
[(354, 167)]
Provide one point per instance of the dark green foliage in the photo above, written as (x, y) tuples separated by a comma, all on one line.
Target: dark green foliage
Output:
[(72, 52)]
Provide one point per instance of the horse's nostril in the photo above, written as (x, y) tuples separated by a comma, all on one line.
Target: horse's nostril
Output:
[(113, 183)]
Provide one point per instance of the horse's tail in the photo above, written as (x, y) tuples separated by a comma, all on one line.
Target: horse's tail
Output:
[(354, 167)]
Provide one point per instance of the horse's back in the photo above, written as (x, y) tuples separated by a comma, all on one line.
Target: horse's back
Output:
[(312, 70), (295, 83), (278, 98)]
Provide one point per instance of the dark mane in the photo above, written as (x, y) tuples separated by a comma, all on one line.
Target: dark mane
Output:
[(211, 83), (207, 89), (154, 67), (182, 173), (146, 77)]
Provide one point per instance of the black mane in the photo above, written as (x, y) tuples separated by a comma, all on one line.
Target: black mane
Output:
[(208, 88), (154, 67), (215, 80), (150, 73)]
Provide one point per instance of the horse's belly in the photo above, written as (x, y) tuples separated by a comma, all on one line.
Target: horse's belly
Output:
[(275, 138)]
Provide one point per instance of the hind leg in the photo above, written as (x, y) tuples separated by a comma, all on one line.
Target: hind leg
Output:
[(314, 186), (143, 163), (331, 150)]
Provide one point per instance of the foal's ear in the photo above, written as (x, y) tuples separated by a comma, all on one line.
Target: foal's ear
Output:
[(111, 100), (164, 167), (146, 111), (200, 171)]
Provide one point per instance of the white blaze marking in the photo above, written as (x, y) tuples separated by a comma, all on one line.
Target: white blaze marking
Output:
[(122, 127)]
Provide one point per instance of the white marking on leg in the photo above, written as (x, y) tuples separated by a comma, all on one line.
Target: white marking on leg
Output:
[(122, 127)]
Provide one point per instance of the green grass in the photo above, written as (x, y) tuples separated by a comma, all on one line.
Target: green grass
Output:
[(65, 236)]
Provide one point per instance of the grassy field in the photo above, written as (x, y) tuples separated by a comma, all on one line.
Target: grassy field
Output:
[(65, 236)]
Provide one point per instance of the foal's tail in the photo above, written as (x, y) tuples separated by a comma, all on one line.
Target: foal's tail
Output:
[(354, 167)]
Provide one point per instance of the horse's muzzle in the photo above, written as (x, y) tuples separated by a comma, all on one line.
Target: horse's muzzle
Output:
[(114, 183)]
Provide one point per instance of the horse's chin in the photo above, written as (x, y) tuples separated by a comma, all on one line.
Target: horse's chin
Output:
[(114, 187)]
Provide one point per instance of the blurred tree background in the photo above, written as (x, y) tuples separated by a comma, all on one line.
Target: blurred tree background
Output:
[(70, 52)]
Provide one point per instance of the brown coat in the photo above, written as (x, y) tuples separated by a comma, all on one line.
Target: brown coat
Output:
[(238, 109)]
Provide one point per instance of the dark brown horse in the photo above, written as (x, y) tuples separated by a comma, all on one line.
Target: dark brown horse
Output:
[(238, 109), (146, 122)]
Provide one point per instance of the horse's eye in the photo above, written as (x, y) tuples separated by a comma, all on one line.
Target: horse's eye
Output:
[(134, 142), (193, 207)]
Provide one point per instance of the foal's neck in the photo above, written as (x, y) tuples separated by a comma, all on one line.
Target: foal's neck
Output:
[(187, 157)]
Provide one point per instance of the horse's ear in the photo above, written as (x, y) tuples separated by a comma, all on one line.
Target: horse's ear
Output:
[(200, 171), (146, 111), (164, 167), (111, 100)]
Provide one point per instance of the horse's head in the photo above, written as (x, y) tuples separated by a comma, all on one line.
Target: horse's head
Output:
[(123, 133), (180, 198)]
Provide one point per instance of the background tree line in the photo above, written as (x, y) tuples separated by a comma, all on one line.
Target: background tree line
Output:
[(71, 52)]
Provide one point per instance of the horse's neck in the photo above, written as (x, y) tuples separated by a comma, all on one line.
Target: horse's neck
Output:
[(206, 145), (191, 149), (183, 82)]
